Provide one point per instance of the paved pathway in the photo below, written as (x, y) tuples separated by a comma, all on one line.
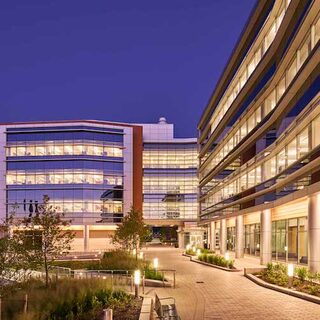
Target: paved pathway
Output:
[(224, 295)]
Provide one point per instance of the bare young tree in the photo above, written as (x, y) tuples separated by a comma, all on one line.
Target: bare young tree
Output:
[(48, 234)]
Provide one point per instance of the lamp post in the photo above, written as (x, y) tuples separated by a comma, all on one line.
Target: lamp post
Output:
[(137, 279), (290, 274)]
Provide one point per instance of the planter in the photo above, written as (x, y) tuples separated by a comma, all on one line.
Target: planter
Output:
[(157, 283), (214, 266), (288, 291)]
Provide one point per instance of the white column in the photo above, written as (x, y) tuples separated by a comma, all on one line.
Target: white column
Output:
[(265, 236), (239, 237), (314, 233), (212, 235), (181, 240), (86, 237), (223, 236)]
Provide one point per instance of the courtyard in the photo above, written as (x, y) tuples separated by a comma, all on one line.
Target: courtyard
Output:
[(207, 293)]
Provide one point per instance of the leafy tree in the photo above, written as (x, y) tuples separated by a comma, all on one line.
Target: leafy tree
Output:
[(15, 260), (132, 233), (47, 234)]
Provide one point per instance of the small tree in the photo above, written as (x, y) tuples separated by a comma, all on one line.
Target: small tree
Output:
[(48, 233), (132, 233), (15, 260)]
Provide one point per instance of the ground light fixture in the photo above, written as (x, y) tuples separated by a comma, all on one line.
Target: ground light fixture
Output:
[(188, 247), (290, 274), (194, 249), (141, 255), (134, 252), (156, 263), (198, 252), (137, 280)]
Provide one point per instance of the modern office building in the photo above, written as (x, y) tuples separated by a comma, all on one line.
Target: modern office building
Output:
[(170, 184), (93, 172), (259, 140)]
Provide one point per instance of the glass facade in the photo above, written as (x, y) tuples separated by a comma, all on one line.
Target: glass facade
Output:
[(290, 240), (252, 239), (170, 181), (79, 167)]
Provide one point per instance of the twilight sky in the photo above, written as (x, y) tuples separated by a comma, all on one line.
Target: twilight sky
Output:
[(120, 60)]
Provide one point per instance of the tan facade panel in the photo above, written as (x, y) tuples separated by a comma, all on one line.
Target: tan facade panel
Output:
[(294, 209)]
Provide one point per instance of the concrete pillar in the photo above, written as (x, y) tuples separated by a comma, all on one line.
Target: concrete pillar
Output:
[(181, 239), (223, 236), (239, 236), (265, 236), (86, 237), (212, 235), (314, 233)]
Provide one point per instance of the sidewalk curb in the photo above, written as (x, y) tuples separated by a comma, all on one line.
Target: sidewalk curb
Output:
[(290, 292)]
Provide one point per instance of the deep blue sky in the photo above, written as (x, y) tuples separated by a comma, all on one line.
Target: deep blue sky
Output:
[(121, 60)]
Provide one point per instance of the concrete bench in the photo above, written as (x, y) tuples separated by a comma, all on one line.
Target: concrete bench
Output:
[(166, 311)]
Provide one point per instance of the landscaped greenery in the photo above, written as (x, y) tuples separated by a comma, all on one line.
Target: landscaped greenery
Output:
[(304, 280), (216, 260), (191, 252), (113, 260), (70, 300)]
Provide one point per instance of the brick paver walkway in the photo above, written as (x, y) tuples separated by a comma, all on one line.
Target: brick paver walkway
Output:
[(224, 295)]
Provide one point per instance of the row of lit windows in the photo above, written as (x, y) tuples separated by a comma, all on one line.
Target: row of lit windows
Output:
[(246, 125), (246, 69), (166, 159), (61, 177), (276, 162), (170, 189), (63, 149), (70, 206)]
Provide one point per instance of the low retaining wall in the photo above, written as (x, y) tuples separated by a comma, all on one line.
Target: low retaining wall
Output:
[(288, 291)]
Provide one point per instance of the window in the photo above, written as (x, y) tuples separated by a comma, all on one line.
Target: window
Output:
[(281, 88), (292, 71), (270, 102), (269, 37), (292, 151), (304, 51), (251, 122), (281, 160), (316, 132), (303, 143), (270, 168), (317, 31)]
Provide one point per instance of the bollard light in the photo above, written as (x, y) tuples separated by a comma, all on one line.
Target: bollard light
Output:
[(198, 252), (156, 263), (290, 274), (134, 252), (290, 270), (194, 249), (141, 255), (136, 279), (137, 276), (227, 256), (188, 246)]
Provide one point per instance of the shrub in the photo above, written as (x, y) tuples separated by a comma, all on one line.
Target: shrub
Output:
[(276, 274), (302, 273)]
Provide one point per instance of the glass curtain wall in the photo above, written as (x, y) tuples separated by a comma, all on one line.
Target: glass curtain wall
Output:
[(289, 240), (231, 238), (252, 239)]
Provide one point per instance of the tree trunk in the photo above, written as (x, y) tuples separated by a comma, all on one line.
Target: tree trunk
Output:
[(46, 270)]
